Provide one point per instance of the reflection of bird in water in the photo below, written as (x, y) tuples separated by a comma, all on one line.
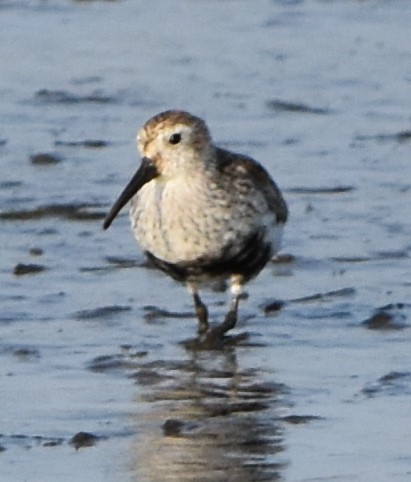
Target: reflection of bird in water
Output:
[(219, 423), (201, 212)]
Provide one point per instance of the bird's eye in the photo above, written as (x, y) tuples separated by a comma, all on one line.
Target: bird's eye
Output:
[(175, 138)]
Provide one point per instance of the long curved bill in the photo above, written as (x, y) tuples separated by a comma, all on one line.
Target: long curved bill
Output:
[(145, 173)]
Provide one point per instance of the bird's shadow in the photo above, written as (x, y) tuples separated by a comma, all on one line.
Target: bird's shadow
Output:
[(209, 416)]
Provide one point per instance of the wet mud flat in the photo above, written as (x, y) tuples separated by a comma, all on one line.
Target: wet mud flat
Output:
[(101, 374)]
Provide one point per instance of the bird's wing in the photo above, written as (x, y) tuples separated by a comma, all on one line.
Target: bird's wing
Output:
[(241, 166)]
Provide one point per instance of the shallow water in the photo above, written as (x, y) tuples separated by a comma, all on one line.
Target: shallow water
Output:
[(98, 377)]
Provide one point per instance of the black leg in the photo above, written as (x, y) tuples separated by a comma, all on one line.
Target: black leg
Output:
[(202, 313), (229, 321)]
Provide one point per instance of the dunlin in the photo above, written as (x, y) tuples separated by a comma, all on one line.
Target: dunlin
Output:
[(200, 212)]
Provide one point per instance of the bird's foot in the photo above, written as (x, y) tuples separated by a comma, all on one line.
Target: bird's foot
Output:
[(218, 332)]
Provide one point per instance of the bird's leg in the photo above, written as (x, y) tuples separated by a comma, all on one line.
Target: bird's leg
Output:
[(202, 313), (231, 317), (201, 309)]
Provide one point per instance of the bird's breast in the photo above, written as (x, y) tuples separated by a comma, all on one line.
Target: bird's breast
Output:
[(179, 220)]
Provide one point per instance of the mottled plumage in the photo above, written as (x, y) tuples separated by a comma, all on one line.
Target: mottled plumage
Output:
[(200, 212)]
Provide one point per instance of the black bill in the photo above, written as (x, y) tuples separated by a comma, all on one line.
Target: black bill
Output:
[(145, 173)]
